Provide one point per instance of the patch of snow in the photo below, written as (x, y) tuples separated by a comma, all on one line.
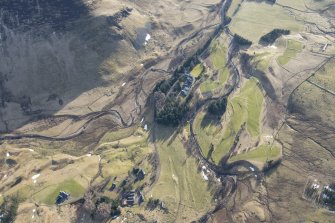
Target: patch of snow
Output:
[(35, 176), (175, 178), (31, 150), (325, 196), (124, 84), (204, 176), (315, 186), (146, 127), (203, 167), (300, 36), (147, 38), (329, 189), (5, 176), (268, 136), (34, 210), (89, 154), (7, 154), (142, 64), (252, 169), (142, 120)]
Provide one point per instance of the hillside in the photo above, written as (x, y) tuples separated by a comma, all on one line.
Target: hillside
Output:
[(167, 111)]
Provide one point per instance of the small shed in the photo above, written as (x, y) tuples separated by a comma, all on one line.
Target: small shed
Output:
[(139, 173), (112, 187), (62, 197)]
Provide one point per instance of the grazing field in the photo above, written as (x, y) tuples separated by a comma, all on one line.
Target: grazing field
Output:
[(296, 4), (325, 76), (234, 7), (214, 83), (117, 162), (261, 153), (206, 129), (221, 72), (262, 61), (245, 107), (256, 19), (197, 70), (122, 150), (292, 49), (118, 135), (49, 195), (139, 138), (72, 176), (180, 186), (311, 107)]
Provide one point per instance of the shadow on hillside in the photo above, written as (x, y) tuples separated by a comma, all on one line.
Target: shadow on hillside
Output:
[(51, 52), (209, 120)]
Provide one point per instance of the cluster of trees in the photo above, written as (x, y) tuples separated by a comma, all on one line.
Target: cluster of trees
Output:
[(242, 41), (153, 203), (218, 107), (165, 85), (8, 209), (172, 113), (328, 197), (272, 36), (100, 207)]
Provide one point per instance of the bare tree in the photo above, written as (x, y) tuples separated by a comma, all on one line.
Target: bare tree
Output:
[(89, 204), (104, 210), (159, 100)]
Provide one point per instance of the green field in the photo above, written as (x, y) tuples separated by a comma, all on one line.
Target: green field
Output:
[(197, 70), (206, 129), (123, 153), (218, 58), (212, 85), (50, 193), (256, 19), (292, 49), (117, 135), (261, 61), (180, 186), (261, 153), (245, 107), (117, 162)]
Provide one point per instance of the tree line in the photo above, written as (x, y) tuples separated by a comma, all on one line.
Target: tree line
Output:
[(218, 107), (272, 36)]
